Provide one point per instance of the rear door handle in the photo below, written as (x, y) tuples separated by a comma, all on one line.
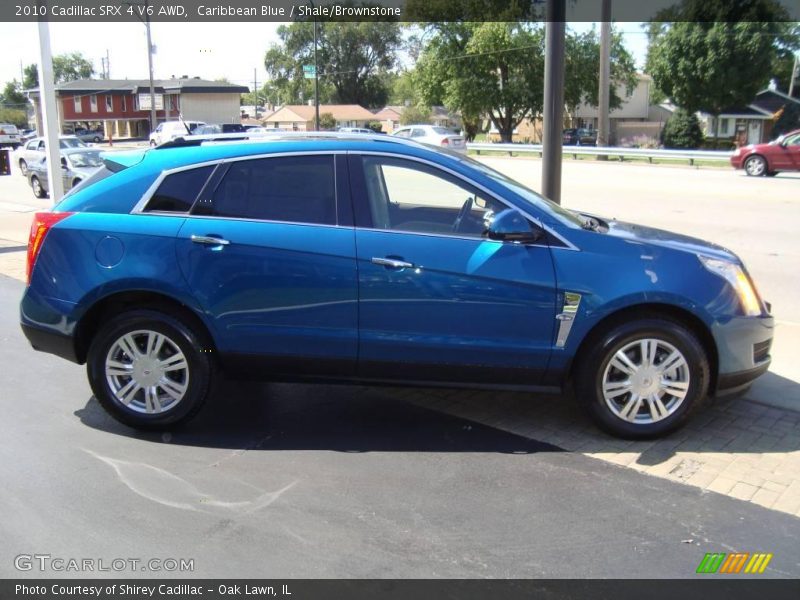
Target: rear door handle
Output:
[(209, 240), (392, 263)]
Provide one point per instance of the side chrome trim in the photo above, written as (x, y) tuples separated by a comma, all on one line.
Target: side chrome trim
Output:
[(567, 244), (567, 317)]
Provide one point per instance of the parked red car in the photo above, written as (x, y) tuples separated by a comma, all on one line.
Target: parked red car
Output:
[(782, 154)]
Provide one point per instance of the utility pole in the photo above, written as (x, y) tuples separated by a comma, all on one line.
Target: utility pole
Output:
[(108, 65), (153, 120), (255, 90), (553, 99), (605, 76), (47, 100), (795, 75)]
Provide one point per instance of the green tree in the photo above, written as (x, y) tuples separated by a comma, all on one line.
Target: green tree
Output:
[(71, 66), (327, 122), (720, 54), (66, 67), (413, 115), (682, 131), (353, 58), (14, 116), (582, 70), (490, 68), (12, 96)]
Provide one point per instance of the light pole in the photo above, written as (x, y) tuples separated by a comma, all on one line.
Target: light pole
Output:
[(146, 21), (553, 99)]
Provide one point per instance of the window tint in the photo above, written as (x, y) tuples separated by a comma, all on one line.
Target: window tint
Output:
[(297, 189), (178, 191), (407, 196)]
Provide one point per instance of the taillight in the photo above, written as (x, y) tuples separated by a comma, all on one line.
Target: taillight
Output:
[(445, 142), (42, 223)]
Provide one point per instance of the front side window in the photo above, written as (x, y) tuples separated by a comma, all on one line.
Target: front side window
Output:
[(178, 191), (296, 189), (407, 196), (32, 145)]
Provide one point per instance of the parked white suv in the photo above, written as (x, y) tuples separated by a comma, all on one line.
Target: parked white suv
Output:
[(9, 135), (169, 130)]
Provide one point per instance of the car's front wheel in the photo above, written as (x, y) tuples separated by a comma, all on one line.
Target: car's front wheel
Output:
[(149, 369), (38, 190), (642, 378), (23, 167), (755, 166)]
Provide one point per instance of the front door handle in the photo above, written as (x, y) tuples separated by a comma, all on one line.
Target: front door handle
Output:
[(392, 263), (209, 240)]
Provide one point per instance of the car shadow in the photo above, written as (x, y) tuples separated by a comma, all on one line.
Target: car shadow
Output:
[(253, 416), (256, 416)]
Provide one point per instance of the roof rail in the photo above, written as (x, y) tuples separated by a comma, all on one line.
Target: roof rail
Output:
[(265, 136)]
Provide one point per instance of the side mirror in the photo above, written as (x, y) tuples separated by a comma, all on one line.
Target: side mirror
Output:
[(511, 226)]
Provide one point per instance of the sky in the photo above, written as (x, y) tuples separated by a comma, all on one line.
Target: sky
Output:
[(207, 50)]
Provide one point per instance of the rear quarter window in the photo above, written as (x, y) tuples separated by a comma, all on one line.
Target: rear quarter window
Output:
[(178, 191)]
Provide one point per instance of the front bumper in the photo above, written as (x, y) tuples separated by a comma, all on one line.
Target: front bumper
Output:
[(743, 349)]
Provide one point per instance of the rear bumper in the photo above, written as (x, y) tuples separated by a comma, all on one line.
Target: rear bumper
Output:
[(51, 342)]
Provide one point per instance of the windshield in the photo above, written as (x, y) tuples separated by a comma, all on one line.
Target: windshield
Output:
[(84, 160), (562, 214), (71, 143)]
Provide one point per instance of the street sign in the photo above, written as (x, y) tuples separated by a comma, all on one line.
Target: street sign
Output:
[(309, 71), (144, 101)]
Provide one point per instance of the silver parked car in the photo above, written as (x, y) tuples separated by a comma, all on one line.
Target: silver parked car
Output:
[(77, 164), (433, 135), (34, 150)]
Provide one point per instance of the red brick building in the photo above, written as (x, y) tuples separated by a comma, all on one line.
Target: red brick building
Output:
[(121, 106)]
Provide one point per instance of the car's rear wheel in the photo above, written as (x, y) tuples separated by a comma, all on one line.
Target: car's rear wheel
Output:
[(23, 166), (755, 166), (149, 369), (38, 190), (643, 378)]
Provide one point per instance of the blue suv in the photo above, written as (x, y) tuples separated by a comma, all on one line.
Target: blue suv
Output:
[(371, 259)]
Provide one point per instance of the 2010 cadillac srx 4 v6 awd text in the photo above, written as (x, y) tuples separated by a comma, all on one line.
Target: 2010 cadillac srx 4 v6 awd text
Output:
[(357, 258)]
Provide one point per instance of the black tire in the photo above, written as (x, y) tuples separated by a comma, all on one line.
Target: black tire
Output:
[(37, 188), (96, 139), (23, 166), (200, 365), (590, 370)]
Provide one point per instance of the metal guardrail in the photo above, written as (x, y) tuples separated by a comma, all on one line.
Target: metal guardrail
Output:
[(622, 153)]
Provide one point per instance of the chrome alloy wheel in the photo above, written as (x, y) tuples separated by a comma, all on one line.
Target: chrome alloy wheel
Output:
[(755, 166), (646, 381), (147, 372)]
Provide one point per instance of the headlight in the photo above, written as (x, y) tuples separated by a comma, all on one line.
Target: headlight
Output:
[(738, 279)]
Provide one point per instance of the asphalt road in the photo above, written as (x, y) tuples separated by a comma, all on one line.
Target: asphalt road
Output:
[(302, 481)]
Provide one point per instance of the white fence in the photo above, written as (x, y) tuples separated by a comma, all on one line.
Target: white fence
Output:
[(622, 153)]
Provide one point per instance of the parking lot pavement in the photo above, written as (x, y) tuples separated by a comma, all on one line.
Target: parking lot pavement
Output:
[(336, 481), (747, 448)]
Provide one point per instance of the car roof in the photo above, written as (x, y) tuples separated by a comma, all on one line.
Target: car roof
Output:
[(196, 150)]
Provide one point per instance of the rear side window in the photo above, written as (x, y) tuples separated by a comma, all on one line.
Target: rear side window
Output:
[(296, 189), (178, 191)]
